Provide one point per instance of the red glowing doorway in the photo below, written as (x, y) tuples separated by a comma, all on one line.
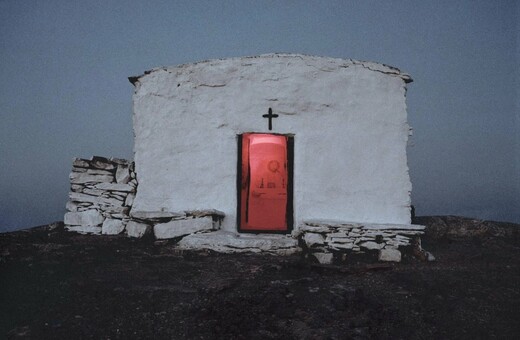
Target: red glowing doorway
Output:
[(265, 183)]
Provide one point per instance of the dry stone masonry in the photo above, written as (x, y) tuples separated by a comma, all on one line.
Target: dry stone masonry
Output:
[(175, 225), (101, 198), (102, 192), (327, 240)]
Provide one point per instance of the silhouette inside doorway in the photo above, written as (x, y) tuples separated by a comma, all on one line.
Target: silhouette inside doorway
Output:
[(265, 184)]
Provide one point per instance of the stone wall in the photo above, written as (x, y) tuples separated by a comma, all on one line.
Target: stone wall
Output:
[(100, 202), (174, 225), (101, 194), (327, 241)]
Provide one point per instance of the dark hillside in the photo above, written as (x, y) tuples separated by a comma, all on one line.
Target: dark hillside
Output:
[(60, 285)]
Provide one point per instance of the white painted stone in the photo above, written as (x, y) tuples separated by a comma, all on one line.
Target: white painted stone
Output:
[(339, 239), (323, 258), (153, 215), (364, 238), (129, 200), (372, 234), (362, 113), (389, 255), (122, 174), (79, 197), (111, 209), (92, 192), (338, 234), (112, 226), (391, 246), (314, 229), (136, 229), (397, 243), (205, 212), (84, 229), (119, 161), (77, 187), (101, 163), (81, 163), (371, 245), (71, 206), (178, 228), (121, 198), (331, 222), (410, 232), (88, 217), (114, 187), (405, 227), (229, 242), (99, 172), (345, 246), (75, 169), (312, 239), (83, 177)]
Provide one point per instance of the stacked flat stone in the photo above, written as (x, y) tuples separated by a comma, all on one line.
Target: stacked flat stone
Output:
[(174, 225), (323, 239), (102, 192)]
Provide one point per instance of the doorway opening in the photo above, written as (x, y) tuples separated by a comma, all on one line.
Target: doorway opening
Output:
[(265, 183)]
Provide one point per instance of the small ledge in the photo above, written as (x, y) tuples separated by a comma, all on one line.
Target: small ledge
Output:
[(307, 225), (228, 242)]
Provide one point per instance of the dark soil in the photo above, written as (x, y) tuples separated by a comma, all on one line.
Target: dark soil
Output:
[(60, 285)]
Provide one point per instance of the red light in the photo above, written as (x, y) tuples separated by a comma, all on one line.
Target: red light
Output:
[(264, 182)]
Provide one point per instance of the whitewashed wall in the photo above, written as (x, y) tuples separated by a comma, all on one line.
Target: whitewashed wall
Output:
[(348, 119)]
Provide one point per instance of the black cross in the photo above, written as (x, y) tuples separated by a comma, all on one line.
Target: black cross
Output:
[(270, 115)]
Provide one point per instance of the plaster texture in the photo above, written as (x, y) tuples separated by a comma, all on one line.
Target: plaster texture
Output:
[(348, 119)]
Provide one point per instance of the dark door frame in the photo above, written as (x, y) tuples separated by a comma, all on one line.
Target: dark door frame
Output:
[(290, 174)]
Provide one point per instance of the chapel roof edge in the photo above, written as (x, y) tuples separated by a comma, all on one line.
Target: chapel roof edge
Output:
[(373, 66)]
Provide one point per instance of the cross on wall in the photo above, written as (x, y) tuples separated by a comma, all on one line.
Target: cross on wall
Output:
[(270, 116)]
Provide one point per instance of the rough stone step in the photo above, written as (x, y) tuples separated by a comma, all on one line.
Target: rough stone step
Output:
[(178, 228), (88, 217), (155, 215)]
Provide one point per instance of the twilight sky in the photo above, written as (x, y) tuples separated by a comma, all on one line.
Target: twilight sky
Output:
[(64, 91)]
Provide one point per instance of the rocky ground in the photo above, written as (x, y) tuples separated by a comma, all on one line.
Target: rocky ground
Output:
[(60, 285)]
